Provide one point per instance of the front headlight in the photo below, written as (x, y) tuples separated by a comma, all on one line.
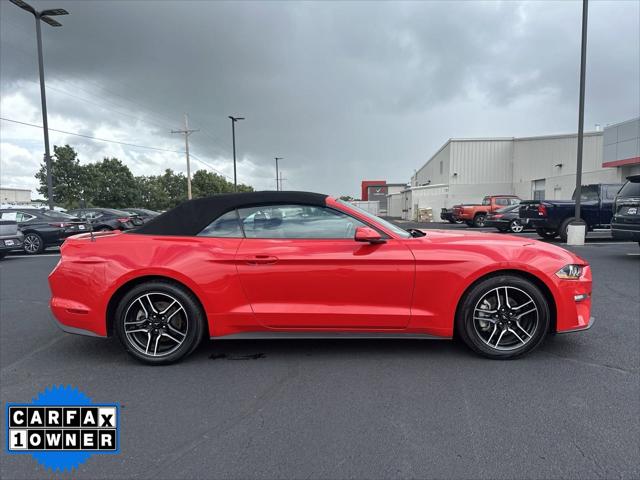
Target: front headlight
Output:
[(570, 272)]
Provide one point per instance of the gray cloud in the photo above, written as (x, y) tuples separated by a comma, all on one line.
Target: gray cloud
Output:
[(343, 90)]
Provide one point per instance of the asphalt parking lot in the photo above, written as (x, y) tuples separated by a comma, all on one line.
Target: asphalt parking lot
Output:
[(347, 408)]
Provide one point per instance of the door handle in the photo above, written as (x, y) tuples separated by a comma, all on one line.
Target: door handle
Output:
[(261, 260)]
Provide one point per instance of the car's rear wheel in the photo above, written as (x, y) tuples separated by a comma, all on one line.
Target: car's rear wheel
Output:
[(547, 233), (159, 322), (33, 244), (503, 317), (516, 226), (478, 220)]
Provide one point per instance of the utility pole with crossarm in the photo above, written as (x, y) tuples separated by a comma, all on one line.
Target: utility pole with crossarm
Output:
[(186, 132)]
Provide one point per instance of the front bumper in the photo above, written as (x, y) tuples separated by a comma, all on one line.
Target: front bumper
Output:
[(580, 329), (573, 303)]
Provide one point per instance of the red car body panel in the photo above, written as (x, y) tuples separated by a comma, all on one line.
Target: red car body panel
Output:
[(409, 285)]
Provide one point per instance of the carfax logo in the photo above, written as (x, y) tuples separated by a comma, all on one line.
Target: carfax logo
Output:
[(61, 428)]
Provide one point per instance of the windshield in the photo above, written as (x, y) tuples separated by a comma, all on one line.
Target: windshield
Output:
[(390, 226), (630, 189)]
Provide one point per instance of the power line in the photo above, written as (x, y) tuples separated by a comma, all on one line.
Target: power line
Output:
[(119, 143), (92, 138)]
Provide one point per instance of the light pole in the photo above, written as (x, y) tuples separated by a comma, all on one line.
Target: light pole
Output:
[(233, 136), (577, 230), (45, 16), (277, 177)]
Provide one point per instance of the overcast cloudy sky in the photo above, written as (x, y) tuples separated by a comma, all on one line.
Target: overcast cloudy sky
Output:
[(344, 91)]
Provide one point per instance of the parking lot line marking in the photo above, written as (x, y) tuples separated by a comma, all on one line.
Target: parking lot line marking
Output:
[(35, 256)]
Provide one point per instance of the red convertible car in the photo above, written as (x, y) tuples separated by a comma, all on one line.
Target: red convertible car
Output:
[(296, 264)]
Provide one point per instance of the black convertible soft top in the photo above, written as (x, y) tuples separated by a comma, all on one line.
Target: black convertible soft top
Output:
[(192, 216)]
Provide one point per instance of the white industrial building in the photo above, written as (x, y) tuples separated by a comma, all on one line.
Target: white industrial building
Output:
[(465, 170), (15, 195)]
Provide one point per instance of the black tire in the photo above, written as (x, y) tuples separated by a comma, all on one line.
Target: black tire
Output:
[(471, 330), (459, 221), (32, 244), (189, 322), (516, 226), (451, 220), (2, 255), (469, 223), (547, 233), (502, 229), (478, 220)]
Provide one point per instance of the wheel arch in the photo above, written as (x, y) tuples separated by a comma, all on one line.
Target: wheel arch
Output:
[(544, 288), (122, 290)]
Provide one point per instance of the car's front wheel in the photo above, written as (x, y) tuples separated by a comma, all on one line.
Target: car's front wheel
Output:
[(159, 322), (503, 317)]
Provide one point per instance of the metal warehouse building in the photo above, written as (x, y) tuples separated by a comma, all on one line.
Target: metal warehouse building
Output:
[(465, 170)]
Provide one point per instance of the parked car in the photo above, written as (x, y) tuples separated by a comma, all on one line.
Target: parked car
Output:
[(507, 219), (551, 218), (447, 215), (143, 213), (625, 224), (43, 228), (286, 264), (106, 219), (10, 237), (474, 215)]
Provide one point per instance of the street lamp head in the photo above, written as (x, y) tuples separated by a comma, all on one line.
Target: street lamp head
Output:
[(235, 119), (54, 11), (51, 21), (24, 6)]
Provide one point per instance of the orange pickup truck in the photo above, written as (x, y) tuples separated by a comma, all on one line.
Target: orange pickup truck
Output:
[(474, 214)]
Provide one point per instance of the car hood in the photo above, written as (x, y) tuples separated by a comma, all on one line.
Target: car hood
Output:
[(497, 242)]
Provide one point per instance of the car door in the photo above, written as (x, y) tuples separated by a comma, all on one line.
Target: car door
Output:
[(301, 268)]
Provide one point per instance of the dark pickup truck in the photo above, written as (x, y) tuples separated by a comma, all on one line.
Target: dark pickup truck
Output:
[(551, 218)]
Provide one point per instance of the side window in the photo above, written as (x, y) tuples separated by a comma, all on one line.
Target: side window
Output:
[(514, 201), (486, 201), (610, 192), (502, 201), (25, 217), (9, 216), (297, 221), (226, 226)]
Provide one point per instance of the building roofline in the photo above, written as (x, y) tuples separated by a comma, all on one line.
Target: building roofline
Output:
[(611, 125), (507, 139)]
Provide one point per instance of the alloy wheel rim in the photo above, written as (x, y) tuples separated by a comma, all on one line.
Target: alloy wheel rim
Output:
[(516, 227), (31, 243), (506, 318), (156, 324)]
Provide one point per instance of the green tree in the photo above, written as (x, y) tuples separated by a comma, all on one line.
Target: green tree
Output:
[(68, 177), (110, 184), (205, 184)]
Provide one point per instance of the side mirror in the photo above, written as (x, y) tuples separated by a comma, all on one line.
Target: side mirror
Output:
[(366, 234)]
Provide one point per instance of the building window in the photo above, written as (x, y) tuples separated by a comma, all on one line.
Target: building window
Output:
[(441, 167), (538, 187)]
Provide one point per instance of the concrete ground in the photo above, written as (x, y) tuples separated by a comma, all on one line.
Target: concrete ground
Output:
[(347, 408)]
